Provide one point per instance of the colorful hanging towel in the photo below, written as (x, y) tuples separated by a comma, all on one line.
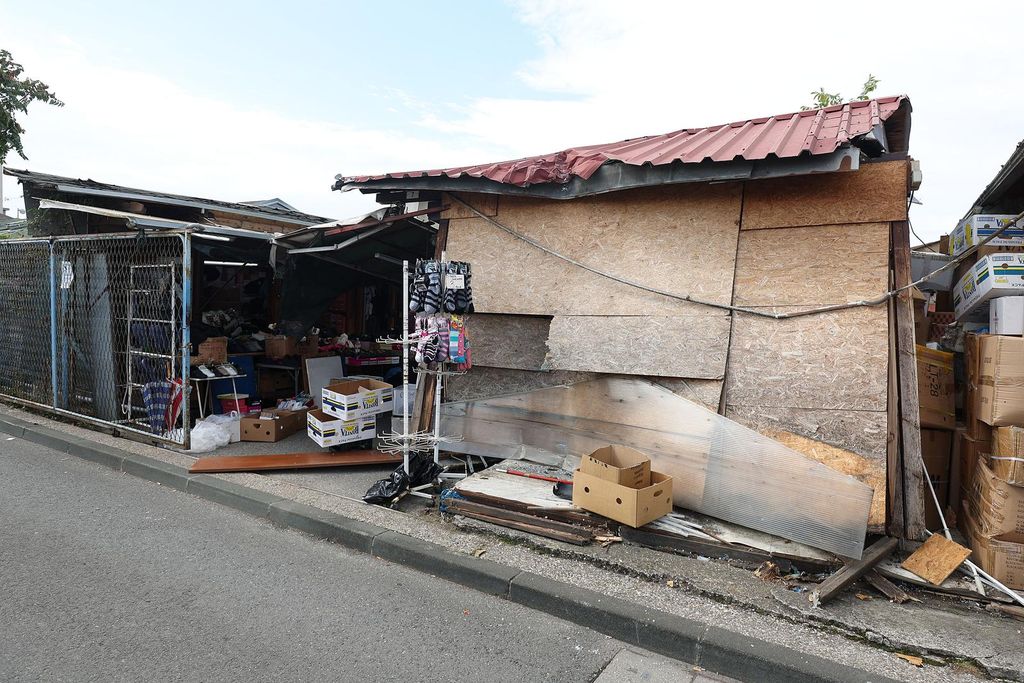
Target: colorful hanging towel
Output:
[(156, 397)]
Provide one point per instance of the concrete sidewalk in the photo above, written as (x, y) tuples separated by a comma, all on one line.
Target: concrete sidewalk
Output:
[(718, 615)]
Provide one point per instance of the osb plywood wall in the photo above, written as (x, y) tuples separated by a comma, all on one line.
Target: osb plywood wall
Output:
[(774, 245)]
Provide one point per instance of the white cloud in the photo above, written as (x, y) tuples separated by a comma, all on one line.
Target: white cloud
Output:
[(140, 129), (602, 70), (640, 68)]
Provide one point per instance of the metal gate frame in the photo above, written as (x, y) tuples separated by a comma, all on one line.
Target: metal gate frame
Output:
[(59, 273)]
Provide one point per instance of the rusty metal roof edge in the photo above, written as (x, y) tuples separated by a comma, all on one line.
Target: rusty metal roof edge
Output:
[(616, 176), (831, 128)]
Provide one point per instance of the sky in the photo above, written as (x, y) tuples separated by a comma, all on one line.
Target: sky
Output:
[(242, 101)]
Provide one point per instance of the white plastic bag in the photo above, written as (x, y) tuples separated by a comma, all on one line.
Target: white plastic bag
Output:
[(230, 420), (209, 435)]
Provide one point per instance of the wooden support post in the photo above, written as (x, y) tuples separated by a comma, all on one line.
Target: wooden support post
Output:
[(842, 579), (906, 371)]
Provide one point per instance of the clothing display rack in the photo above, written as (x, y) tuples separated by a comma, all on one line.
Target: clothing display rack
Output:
[(419, 441)]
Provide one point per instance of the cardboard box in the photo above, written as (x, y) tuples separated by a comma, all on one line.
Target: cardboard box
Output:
[(1006, 315), (1002, 557), (974, 229), (996, 507), (598, 486), (935, 388), (1007, 458), (309, 346), (992, 276), (354, 398), (328, 430), (619, 465), (1001, 381), (936, 447), (970, 451), (213, 350), (272, 425), (279, 346)]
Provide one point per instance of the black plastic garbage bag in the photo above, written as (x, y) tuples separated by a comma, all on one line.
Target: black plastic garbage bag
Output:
[(422, 470)]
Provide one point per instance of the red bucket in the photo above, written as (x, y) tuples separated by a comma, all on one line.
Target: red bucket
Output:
[(234, 402)]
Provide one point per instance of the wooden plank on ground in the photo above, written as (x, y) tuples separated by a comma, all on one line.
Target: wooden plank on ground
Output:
[(936, 559), (575, 539), (888, 588), (842, 579), (292, 461), (467, 506)]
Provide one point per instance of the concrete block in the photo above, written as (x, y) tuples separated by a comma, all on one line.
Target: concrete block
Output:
[(223, 492), (473, 572), (350, 533), (156, 470), (602, 613)]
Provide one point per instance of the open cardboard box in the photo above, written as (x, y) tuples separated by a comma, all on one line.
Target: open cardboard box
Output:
[(617, 482), (271, 425), (328, 430), (350, 399)]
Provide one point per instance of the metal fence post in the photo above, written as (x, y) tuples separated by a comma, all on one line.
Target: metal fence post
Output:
[(186, 337), (53, 324)]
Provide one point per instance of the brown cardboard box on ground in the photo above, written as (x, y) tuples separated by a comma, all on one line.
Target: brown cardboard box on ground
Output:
[(619, 465), (264, 427), (936, 446), (1007, 458), (1002, 557), (935, 388), (1001, 380), (596, 486)]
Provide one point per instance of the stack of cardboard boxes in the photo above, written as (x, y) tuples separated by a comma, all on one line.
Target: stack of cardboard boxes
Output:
[(992, 456), (350, 410), (936, 393), (988, 471)]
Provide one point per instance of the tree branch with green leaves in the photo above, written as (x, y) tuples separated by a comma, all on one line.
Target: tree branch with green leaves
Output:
[(16, 93)]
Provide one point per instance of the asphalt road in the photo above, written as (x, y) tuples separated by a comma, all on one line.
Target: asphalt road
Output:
[(110, 578)]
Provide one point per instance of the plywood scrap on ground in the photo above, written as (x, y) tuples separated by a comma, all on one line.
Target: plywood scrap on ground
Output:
[(936, 559), (722, 468)]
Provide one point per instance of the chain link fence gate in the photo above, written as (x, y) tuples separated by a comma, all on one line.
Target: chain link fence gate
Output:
[(109, 318)]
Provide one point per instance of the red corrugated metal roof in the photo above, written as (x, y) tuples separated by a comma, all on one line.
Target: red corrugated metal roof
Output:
[(817, 131)]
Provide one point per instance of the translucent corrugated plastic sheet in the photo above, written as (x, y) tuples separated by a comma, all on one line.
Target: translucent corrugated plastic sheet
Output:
[(720, 468)]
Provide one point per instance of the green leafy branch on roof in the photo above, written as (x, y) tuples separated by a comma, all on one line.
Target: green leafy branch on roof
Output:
[(16, 93), (822, 99)]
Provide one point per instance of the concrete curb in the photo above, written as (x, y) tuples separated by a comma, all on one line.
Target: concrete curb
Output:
[(724, 652)]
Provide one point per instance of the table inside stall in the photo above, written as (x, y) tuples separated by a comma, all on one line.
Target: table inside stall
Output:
[(361, 365), (207, 388)]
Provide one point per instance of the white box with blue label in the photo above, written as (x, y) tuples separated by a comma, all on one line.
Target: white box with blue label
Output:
[(973, 230), (350, 399), (992, 276), (328, 430)]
